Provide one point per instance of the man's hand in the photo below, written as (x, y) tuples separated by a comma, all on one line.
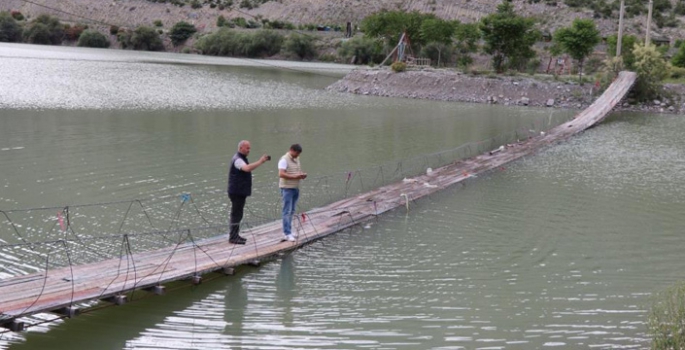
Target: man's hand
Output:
[(264, 158), (303, 176)]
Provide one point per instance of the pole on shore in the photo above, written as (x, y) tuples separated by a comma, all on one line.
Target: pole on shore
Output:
[(619, 42), (649, 21)]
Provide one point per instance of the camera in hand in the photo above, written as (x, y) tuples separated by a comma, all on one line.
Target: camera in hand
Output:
[(268, 157)]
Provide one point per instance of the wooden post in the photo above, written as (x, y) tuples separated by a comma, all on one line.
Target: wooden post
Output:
[(619, 43), (649, 21), (157, 290), (68, 311)]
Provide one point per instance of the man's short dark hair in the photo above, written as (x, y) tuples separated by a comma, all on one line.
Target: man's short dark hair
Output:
[(296, 147)]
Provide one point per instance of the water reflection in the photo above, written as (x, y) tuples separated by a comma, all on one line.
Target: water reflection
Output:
[(234, 310), (286, 289)]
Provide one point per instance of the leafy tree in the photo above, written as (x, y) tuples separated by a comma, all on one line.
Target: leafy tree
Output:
[(508, 37), (651, 70), (439, 33), (391, 24), (45, 30), (467, 36), (181, 31), (10, 30), (301, 45), (627, 45), (227, 42), (93, 38), (578, 41), (146, 39)]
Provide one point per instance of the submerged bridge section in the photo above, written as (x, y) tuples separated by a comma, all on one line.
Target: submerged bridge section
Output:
[(61, 290)]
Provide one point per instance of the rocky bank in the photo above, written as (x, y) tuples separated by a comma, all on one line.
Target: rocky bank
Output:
[(447, 85)]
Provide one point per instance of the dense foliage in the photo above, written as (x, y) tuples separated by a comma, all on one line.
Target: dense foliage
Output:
[(678, 59), (227, 42), (44, 30), (667, 319), (180, 32), (364, 50), (578, 41), (651, 69), (10, 30), (627, 46), (93, 38), (142, 38), (508, 37), (301, 46)]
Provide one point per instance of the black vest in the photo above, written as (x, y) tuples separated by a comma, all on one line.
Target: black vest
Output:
[(239, 182)]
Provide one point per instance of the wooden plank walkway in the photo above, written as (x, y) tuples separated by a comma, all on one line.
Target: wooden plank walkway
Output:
[(59, 289)]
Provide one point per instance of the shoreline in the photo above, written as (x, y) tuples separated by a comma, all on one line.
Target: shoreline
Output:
[(452, 86)]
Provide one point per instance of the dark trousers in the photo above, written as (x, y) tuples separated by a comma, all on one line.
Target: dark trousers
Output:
[(237, 206)]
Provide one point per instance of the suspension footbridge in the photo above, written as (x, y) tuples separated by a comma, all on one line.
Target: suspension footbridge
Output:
[(64, 285)]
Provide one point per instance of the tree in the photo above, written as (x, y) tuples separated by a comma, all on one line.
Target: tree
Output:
[(651, 70), (93, 38), (467, 36), (364, 50), (10, 31), (578, 41), (146, 39), (391, 24), (439, 33), (181, 31), (45, 30), (508, 37), (627, 45)]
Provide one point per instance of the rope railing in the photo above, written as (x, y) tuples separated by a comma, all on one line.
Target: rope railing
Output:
[(95, 232)]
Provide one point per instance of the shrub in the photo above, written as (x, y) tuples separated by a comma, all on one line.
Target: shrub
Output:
[(93, 38), (398, 67), (678, 59), (181, 31), (44, 30), (73, 33), (143, 38), (221, 21), (10, 30), (363, 50), (667, 319), (651, 69), (227, 42), (195, 4), (114, 30), (301, 46), (677, 72), (17, 15), (158, 23)]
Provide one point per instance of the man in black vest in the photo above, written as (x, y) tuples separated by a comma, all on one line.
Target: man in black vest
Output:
[(240, 187)]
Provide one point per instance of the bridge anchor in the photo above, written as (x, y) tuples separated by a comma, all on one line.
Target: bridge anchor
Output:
[(13, 325)]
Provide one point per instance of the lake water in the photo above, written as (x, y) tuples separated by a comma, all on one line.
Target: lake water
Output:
[(563, 249)]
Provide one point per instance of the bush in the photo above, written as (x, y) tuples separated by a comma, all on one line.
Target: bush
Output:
[(93, 38), (667, 319), (678, 59), (73, 33), (17, 15), (143, 38), (221, 21), (363, 50), (227, 42), (114, 30), (181, 31), (398, 67), (677, 72), (44, 30), (158, 23), (301, 46), (651, 70), (10, 30)]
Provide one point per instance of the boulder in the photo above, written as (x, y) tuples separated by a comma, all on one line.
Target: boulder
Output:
[(550, 102)]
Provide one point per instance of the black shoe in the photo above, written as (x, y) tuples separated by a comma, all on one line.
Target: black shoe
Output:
[(237, 240)]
